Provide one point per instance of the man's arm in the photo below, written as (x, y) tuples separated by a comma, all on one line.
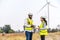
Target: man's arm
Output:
[(26, 23)]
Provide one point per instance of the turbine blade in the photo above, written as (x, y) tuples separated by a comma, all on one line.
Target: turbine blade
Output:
[(42, 8), (53, 5), (46, 0)]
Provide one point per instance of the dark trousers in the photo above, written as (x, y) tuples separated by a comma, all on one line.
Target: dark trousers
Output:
[(42, 37), (28, 35)]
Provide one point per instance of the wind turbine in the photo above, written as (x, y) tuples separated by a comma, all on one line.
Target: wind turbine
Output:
[(47, 4)]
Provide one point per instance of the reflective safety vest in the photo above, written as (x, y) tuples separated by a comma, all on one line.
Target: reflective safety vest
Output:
[(30, 22), (43, 31)]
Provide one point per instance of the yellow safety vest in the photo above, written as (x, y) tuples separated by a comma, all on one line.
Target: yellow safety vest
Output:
[(43, 32), (30, 22)]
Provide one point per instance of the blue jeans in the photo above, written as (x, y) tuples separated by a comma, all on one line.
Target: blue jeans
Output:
[(42, 37), (28, 35)]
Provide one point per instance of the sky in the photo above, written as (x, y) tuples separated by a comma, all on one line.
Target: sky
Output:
[(13, 12)]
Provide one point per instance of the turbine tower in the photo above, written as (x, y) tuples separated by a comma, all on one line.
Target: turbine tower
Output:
[(47, 4)]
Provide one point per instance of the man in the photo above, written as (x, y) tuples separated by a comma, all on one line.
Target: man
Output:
[(29, 27)]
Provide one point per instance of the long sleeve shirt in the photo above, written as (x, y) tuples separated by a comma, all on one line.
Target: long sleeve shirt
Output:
[(45, 27), (27, 25)]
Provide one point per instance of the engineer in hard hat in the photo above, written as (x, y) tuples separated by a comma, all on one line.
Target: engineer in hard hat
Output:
[(29, 27), (43, 28)]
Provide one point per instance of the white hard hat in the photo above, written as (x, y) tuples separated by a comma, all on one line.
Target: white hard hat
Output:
[(43, 16), (30, 14)]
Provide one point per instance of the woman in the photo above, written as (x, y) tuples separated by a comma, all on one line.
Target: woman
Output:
[(43, 28)]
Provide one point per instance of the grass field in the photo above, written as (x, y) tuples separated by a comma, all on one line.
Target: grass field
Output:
[(21, 36)]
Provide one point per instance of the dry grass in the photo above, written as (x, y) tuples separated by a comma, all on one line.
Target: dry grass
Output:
[(21, 36)]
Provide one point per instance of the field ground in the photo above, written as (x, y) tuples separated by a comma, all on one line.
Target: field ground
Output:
[(21, 36)]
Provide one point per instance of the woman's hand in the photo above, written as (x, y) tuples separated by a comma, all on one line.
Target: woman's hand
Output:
[(38, 28)]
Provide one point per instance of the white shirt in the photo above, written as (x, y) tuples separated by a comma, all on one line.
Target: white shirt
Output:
[(27, 25), (45, 27)]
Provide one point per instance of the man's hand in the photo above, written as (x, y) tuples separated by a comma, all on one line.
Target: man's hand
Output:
[(32, 26)]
